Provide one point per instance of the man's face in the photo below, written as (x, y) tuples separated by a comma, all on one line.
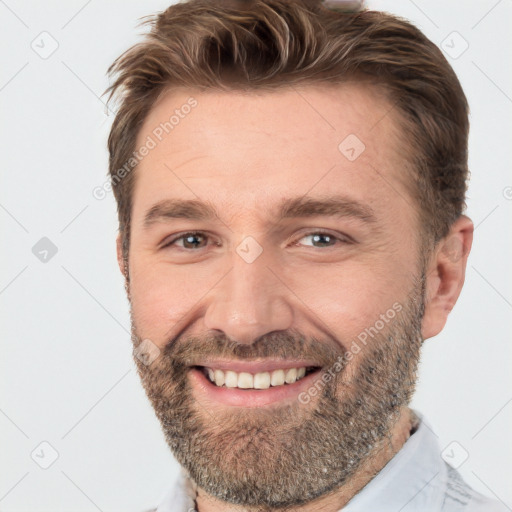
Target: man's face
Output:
[(274, 278)]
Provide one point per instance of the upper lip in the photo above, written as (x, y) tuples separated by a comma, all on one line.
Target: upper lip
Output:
[(267, 365)]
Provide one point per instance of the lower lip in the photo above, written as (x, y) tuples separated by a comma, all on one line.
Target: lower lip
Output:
[(249, 397)]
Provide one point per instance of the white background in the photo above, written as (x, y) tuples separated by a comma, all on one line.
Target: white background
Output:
[(66, 368)]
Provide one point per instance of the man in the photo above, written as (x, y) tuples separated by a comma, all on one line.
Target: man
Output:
[(290, 182)]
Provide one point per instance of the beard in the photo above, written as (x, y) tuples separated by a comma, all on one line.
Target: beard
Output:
[(287, 455)]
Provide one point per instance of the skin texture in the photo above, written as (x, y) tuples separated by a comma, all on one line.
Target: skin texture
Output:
[(244, 153)]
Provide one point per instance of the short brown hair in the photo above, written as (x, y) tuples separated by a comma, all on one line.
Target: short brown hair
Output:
[(258, 44)]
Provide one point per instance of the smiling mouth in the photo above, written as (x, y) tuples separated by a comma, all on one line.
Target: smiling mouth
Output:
[(256, 381)]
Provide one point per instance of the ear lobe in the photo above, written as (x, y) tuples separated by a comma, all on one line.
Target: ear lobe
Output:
[(445, 276)]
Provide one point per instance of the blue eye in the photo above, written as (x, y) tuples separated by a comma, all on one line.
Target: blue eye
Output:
[(325, 239), (189, 240)]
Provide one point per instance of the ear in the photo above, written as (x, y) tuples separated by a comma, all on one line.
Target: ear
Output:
[(445, 275), (120, 259)]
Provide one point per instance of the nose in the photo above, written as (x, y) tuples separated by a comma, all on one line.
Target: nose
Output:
[(248, 302)]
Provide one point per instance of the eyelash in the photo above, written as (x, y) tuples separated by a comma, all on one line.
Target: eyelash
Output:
[(343, 240)]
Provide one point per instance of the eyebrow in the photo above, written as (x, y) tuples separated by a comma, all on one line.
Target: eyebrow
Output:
[(298, 207)]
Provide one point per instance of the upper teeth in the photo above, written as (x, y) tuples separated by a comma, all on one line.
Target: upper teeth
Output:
[(262, 380)]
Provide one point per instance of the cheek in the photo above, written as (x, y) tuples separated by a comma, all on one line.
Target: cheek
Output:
[(350, 297), (358, 305), (153, 312), (163, 297)]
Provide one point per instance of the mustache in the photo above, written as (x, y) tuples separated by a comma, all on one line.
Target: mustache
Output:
[(291, 344)]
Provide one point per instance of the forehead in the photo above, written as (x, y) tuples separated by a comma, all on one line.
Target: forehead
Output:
[(250, 150)]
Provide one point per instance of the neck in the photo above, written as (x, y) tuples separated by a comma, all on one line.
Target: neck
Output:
[(338, 498)]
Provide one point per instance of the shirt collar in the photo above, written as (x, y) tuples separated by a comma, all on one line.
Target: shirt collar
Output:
[(413, 480)]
